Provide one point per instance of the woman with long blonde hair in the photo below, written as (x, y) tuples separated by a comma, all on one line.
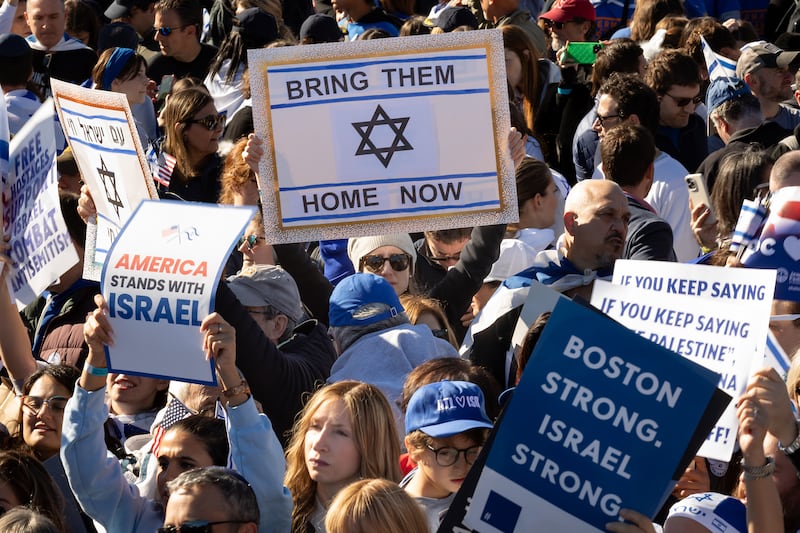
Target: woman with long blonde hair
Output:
[(375, 506), (346, 432)]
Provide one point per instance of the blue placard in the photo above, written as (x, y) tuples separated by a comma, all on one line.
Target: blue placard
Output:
[(599, 422)]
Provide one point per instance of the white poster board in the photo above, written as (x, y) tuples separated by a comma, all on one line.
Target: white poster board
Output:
[(102, 134), (40, 245), (160, 279), (383, 136)]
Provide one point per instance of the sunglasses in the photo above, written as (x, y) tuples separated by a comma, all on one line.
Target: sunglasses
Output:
[(683, 102), (166, 31), (602, 120), (210, 122), (56, 404), (197, 526), (445, 258), (251, 241), (557, 25), (374, 263)]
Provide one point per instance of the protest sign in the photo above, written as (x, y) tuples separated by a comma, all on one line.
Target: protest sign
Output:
[(712, 333), (752, 288), (602, 419), (102, 134), (374, 137), (5, 136), (778, 246), (40, 246), (160, 279)]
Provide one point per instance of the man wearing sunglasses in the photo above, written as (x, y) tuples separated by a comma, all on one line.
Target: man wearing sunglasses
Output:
[(625, 98), (178, 25), (769, 72), (210, 500), (675, 77)]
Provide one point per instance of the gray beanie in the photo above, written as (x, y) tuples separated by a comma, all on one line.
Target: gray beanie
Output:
[(358, 247)]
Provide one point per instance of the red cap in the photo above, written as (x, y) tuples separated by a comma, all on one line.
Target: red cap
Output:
[(566, 10)]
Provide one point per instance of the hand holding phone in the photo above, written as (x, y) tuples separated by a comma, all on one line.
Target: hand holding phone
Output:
[(698, 194)]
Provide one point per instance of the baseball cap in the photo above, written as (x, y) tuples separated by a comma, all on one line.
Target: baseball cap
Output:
[(566, 10), (268, 285), (446, 408), (717, 512), (321, 28), (723, 89), (256, 27), (361, 300), (454, 17), (761, 54), (121, 8)]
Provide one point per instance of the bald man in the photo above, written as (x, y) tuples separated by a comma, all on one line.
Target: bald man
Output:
[(785, 172), (596, 219)]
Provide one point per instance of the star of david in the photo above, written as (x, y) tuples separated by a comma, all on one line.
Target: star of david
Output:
[(384, 153), (108, 177)]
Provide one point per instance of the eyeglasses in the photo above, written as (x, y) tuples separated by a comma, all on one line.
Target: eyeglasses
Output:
[(268, 313), (251, 241), (602, 120), (683, 102), (374, 263), (166, 31), (447, 456), (445, 258), (557, 25), (761, 191), (35, 403), (210, 122), (197, 526)]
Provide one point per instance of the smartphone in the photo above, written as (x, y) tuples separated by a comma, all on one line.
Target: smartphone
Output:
[(582, 53), (698, 194), (165, 87)]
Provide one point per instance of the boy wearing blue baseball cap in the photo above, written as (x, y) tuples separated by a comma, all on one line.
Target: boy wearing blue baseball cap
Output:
[(446, 427)]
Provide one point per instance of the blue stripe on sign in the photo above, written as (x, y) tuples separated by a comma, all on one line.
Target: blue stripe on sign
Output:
[(93, 117), (391, 180), (104, 148), (381, 97), (358, 64), (390, 211)]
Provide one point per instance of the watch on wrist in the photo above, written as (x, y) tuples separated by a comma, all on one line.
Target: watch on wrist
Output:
[(792, 446), (236, 390), (759, 472)]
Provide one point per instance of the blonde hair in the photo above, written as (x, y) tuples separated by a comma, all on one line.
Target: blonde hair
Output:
[(415, 305), (793, 377), (375, 506), (374, 433)]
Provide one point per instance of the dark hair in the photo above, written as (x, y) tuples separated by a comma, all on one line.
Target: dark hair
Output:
[(529, 342), (627, 151), (716, 35), (129, 70), (238, 496), (373, 33), (190, 12), (449, 236), (75, 224), (736, 109), (633, 97), (647, 13), (17, 71), (210, 431), (32, 485), (533, 177), (81, 16), (671, 67), (620, 55), (738, 175), (65, 375), (453, 369)]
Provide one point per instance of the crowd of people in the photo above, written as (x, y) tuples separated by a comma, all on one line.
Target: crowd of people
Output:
[(335, 358)]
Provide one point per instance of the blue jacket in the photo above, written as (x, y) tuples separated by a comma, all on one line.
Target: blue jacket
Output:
[(99, 486)]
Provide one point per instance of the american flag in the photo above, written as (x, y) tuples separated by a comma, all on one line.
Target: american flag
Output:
[(166, 164), (176, 410)]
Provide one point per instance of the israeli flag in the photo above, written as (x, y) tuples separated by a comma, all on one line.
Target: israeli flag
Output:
[(718, 66)]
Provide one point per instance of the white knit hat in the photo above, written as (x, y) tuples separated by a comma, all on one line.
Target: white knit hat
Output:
[(358, 247)]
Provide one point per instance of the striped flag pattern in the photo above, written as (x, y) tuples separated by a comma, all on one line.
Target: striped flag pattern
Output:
[(718, 66), (176, 410)]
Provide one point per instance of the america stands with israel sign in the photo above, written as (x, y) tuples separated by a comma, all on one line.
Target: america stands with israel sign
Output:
[(387, 135)]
